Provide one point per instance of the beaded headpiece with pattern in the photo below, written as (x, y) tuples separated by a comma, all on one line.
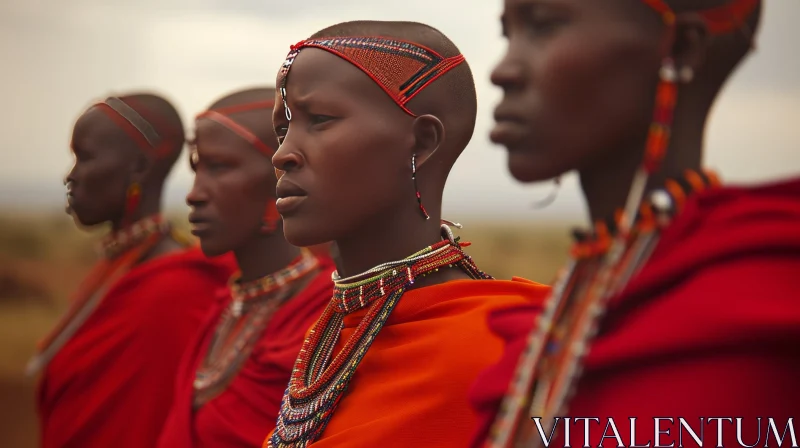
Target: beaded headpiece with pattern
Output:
[(402, 69)]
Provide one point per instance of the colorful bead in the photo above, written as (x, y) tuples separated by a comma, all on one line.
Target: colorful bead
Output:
[(550, 366), (320, 379)]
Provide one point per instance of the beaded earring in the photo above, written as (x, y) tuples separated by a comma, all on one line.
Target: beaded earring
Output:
[(132, 198), (416, 189)]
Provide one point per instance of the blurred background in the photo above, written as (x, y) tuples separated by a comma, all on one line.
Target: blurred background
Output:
[(58, 57)]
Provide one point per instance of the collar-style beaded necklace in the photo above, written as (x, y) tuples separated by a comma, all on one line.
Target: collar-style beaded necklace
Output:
[(127, 251), (124, 239), (601, 265), (319, 378), (241, 324)]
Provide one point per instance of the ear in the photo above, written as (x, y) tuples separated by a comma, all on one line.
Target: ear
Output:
[(141, 166), (428, 136), (691, 43)]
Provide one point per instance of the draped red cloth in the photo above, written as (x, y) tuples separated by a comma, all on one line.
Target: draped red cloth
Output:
[(247, 410), (709, 328), (410, 389), (112, 384)]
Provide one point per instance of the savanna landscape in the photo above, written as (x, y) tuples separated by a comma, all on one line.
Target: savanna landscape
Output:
[(43, 257)]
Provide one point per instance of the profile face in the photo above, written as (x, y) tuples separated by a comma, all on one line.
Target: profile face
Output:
[(344, 158), (578, 81), (233, 184), (98, 182)]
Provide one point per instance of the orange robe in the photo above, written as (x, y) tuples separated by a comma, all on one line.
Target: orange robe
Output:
[(411, 387), (248, 408), (709, 328), (112, 384)]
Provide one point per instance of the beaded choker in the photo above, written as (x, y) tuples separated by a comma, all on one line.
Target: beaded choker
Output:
[(602, 262), (241, 324), (319, 378), (123, 240)]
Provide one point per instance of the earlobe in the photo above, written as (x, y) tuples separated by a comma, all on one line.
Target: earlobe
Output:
[(691, 45), (429, 135)]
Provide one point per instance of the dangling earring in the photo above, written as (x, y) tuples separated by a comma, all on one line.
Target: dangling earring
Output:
[(132, 199), (551, 197), (270, 219), (657, 140), (416, 189)]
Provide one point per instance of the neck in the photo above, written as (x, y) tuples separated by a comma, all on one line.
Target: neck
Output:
[(150, 205), (264, 255), (607, 183), (393, 239)]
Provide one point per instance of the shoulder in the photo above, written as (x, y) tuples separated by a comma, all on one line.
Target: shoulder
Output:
[(185, 266), (464, 298)]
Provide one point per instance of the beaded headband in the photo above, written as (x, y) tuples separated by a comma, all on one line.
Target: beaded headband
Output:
[(132, 122), (720, 20), (401, 68)]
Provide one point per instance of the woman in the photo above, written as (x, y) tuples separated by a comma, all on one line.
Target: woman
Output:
[(232, 379), (681, 302), (369, 128), (109, 366)]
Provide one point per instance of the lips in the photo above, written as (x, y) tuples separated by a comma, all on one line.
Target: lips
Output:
[(510, 129), (290, 196), (199, 225)]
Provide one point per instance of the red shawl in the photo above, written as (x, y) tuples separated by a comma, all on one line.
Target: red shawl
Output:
[(112, 383), (709, 328), (247, 410)]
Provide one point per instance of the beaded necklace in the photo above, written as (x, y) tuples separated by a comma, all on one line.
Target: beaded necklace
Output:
[(124, 249), (601, 265), (242, 323), (320, 379), (123, 240)]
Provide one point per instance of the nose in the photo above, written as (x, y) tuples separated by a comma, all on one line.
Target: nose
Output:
[(198, 195), (509, 73), (287, 158), (69, 179)]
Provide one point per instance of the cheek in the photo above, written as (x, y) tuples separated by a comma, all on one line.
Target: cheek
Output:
[(593, 94)]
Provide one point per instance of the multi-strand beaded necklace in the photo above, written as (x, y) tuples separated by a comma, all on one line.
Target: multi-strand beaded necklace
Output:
[(242, 323), (121, 249), (601, 264), (319, 378)]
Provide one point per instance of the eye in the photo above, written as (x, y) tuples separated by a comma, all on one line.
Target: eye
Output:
[(320, 119), (280, 132)]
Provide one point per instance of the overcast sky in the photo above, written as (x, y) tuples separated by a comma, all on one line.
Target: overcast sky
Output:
[(57, 56)]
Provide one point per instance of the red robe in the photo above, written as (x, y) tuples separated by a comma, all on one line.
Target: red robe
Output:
[(709, 328), (410, 389), (112, 383), (248, 408)]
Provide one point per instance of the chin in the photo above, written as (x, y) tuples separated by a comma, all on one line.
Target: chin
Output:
[(299, 233), (528, 168), (210, 249), (84, 220)]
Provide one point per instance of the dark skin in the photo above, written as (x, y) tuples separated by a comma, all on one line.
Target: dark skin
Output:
[(347, 151), (579, 80), (232, 186), (107, 162)]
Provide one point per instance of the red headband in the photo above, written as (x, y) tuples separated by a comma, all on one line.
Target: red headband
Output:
[(222, 116), (130, 117), (401, 68), (720, 20)]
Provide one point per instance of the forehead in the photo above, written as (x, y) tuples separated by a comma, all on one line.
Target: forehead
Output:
[(319, 73), (94, 127)]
